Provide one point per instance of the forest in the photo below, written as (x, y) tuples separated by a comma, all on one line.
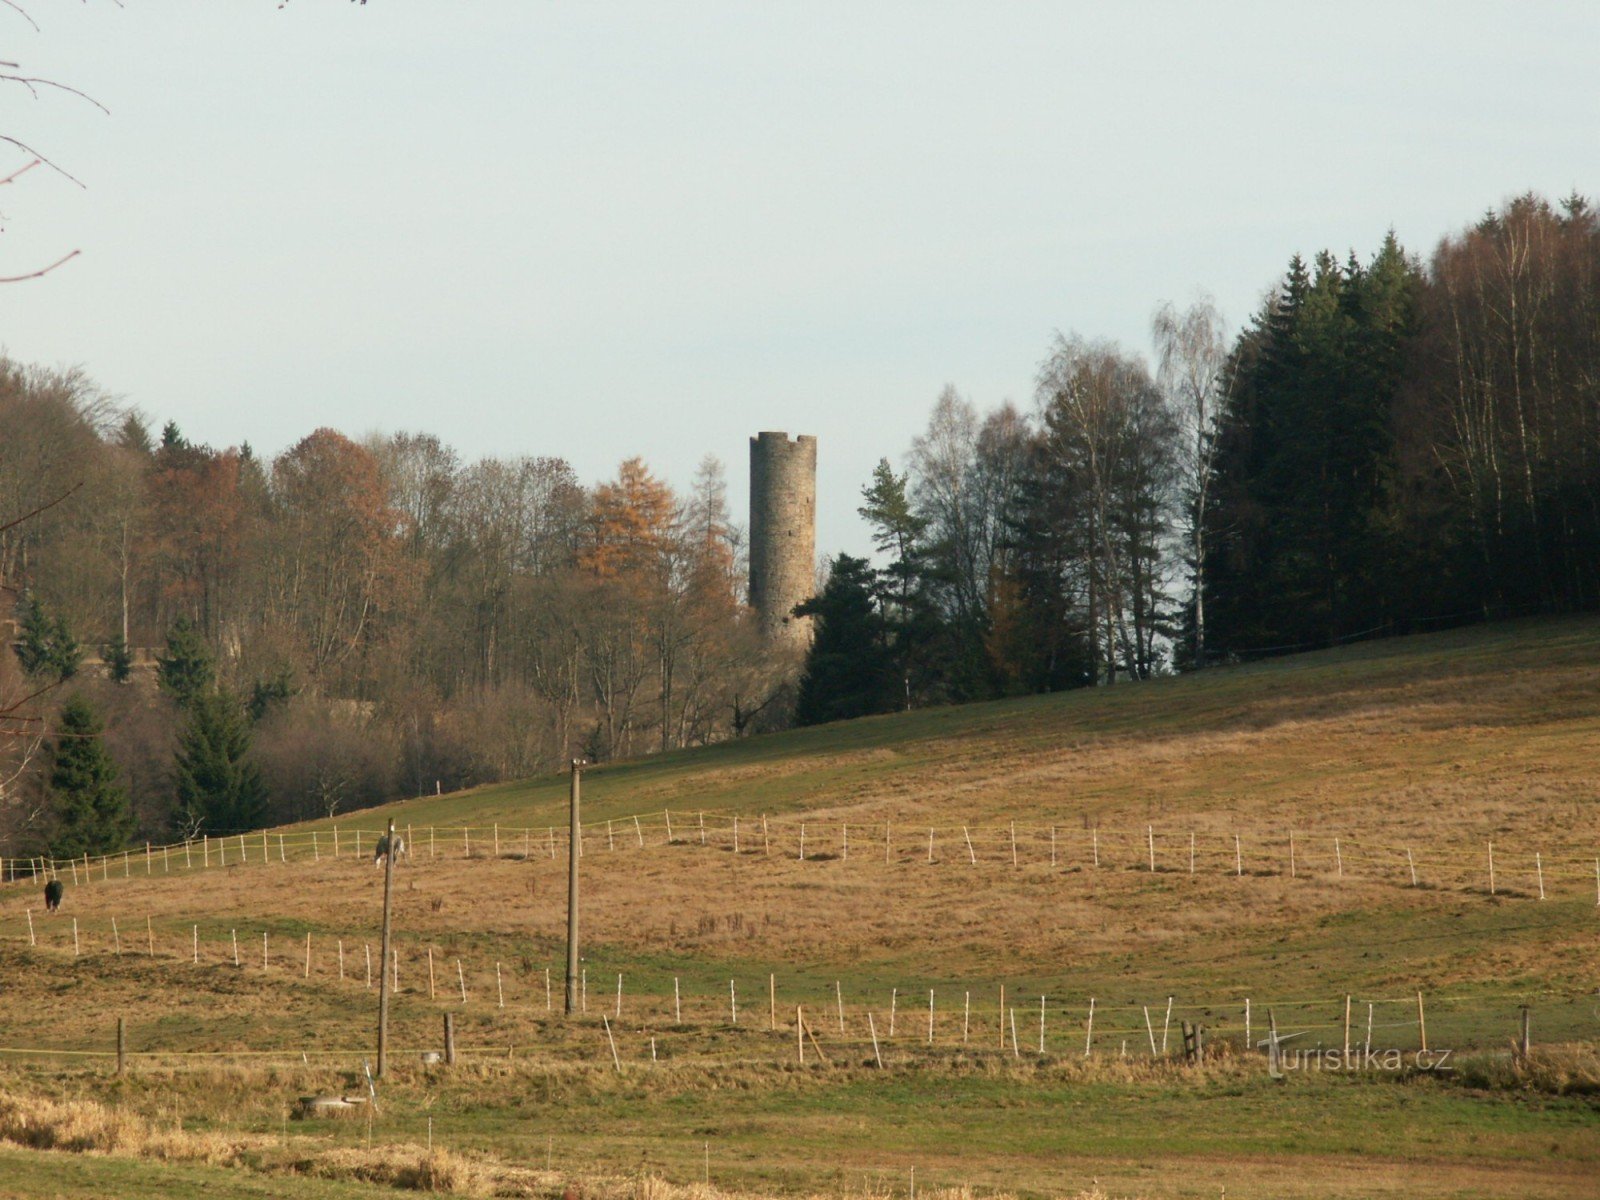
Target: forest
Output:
[(206, 641)]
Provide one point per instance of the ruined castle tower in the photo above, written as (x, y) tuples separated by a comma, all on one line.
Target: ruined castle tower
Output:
[(783, 533)]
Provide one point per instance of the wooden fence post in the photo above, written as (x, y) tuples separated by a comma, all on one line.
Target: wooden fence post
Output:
[(450, 1039)]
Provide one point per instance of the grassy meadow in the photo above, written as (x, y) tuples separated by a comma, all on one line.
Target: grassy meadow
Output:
[(1309, 837)]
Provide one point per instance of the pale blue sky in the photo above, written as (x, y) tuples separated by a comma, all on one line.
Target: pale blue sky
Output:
[(599, 230)]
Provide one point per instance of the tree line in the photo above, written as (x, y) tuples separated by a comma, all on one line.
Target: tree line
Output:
[(1388, 445), (247, 641)]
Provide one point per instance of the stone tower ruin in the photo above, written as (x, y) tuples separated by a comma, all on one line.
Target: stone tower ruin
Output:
[(783, 534)]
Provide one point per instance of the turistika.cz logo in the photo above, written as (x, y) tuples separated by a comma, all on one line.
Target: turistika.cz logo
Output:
[(1282, 1059)]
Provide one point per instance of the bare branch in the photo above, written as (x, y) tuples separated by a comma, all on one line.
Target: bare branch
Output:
[(28, 516), (20, 170), (32, 81), (41, 271), (27, 149), (21, 12)]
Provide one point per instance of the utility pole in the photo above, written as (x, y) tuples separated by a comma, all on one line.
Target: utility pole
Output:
[(574, 836), (383, 961)]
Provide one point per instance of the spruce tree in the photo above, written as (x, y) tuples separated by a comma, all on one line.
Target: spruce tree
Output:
[(118, 657), (45, 644), (91, 809), (849, 671), (219, 788), (185, 669)]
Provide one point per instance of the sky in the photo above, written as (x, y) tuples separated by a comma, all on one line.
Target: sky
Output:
[(599, 230)]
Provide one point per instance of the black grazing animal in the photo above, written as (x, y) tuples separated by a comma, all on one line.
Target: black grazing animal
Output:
[(53, 891)]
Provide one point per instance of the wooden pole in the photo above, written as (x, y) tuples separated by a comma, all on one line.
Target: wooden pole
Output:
[(1238, 858), (677, 1003), (1347, 1031), (384, 956), (930, 1016), (1411, 863), (772, 999), (838, 995), (873, 1029), (1538, 865), (1491, 866), (1338, 858), (972, 857), (461, 979), (449, 1039), (116, 937), (1166, 1023), (1094, 843), (894, 999), (430, 973), (572, 886), (307, 974), (1041, 1026), (32, 942), (733, 1004), (1150, 1029), (1088, 1036), (930, 843), (1526, 1042), (799, 1035), (617, 1062), (1422, 1025), (638, 832), (1002, 1016), (1150, 837), (619, 996), (341, 960), (1016, 1051), (966, 1017)]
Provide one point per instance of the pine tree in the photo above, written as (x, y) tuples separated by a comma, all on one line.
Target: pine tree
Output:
[(219, 788), (185, 669), (849, 671), (45, 644), (91, 809), (33, 637), (118, 657)]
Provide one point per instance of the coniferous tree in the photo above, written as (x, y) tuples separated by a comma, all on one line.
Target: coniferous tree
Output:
[(849, 671), (185, 670), (219, 787), (118, 657), (45, 644), (91, 810)]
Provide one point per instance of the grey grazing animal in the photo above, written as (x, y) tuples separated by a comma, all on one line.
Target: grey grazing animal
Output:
[(382, 848), (53, 891)]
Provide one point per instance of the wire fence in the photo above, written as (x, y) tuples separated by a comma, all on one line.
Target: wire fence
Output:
[(653, 1013), (1569, 868)]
